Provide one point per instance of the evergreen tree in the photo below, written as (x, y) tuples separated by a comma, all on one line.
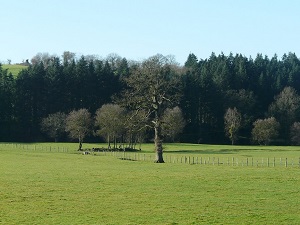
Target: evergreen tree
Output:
[(7, 100)]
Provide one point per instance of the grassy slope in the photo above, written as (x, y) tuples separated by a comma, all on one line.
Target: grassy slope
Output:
[(14, 69)]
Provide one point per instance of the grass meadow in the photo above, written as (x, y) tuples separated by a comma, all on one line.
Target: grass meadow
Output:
[(14, 69), (47, 183)]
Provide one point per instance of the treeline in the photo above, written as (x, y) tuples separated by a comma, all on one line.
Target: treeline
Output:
[(255, 88)]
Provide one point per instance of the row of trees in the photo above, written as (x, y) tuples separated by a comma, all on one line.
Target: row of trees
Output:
[(285, 108), (118, 126), (204, 90)]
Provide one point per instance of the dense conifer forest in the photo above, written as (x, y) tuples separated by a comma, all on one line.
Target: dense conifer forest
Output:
[(257, 88)]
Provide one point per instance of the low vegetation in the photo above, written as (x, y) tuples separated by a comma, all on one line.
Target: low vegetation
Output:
[(47, 187)]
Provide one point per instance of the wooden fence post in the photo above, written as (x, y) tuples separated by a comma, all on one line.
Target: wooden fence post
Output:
[(280, 161)]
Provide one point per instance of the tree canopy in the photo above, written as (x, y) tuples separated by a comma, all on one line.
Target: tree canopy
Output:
[(203, 89)]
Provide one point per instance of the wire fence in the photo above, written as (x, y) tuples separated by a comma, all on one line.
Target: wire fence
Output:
[(169, 158), (208, 160), (33, 147)]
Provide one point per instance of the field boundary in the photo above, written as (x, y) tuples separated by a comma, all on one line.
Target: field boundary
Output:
[(33, 147), (169, 157), (214, 161)]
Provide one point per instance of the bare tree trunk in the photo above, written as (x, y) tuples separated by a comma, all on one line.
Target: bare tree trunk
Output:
[(80, 143), (158, 143), (108, 140)]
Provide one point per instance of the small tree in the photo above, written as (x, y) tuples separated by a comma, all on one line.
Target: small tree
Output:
[(232, 120), (54, 125), (136, 127), (78, 124), (285, 109), (172, 123), (265, 130), (110, 119), (295, 133)]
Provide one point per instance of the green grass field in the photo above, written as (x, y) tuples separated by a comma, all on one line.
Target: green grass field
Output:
[(39, 186), (14, 69)]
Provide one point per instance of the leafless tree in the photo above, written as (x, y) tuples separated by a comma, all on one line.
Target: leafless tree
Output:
[(232, 120), (153, 86), (54, 125), (265, 130), (172, 123), (110, 119), (78, 124)]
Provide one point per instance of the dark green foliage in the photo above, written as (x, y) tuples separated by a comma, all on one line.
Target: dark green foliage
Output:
[(7, 103), (207, 88), (295, 133)]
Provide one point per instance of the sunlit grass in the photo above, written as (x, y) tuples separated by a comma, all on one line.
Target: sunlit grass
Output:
[(43, 187), (14, 69)]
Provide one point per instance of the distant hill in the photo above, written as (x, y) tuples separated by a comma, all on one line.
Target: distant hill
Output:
[(14, 68)]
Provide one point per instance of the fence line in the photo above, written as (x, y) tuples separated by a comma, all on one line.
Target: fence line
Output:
[(173, 158), (215, 161), (32, 147)]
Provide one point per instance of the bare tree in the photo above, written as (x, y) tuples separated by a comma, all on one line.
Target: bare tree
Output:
[(136, 127), (68, 57), (232, 120), (54, 125), (78, 124), (110, 120), (172, 123), (153, 86), (114, 60), (265, 130), (44, 58)]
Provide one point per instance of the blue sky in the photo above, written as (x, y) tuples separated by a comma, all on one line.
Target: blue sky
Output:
[(138, 29)]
